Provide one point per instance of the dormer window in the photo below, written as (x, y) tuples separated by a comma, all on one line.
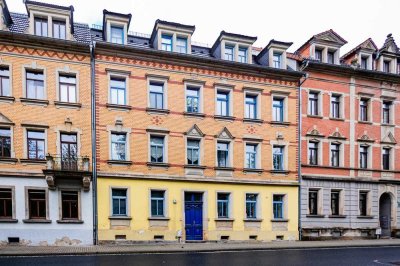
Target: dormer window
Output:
[(41, 27), (364, 62), (166, 42), (59, 29), (331, 57), (386, 66), (318, 54), (229, 52), (242, 55), (181, 45), (117, 34), (277, 60)]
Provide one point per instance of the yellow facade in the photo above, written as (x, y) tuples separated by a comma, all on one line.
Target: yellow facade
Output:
[(142, 228)]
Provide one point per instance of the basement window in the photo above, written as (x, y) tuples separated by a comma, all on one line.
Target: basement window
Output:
[(13, 240), (159, 237), (224, 238), (120, 237)]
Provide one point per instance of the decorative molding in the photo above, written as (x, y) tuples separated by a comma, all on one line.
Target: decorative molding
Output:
[(194, 131), (225, 134)]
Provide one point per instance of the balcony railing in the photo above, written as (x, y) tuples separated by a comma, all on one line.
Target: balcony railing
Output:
[(67, 163)]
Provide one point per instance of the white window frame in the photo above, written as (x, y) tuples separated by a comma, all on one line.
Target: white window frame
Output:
[(128, 213), (258, 205), (284, 97), (165, 206), (230, 204), (258, 154), (67, 72), (284, 207), (230, 151), (200, 139), (230, 99), (34, 67), (258, 95), (165, 91), (10, 79), (25, 137), (200, 88), (165, 149)]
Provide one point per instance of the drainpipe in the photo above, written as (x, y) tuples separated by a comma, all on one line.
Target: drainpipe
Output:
[(93, 121), (299, 146)]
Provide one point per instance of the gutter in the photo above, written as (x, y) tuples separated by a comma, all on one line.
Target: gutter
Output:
[(94, 137)]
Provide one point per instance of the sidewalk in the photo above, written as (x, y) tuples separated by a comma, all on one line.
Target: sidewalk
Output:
[(187, 247)]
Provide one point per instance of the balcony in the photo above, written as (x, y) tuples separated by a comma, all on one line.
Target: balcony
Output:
[(67, 167)]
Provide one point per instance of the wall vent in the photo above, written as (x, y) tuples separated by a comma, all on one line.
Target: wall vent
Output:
[(13, 240), (279, 237), (253, 237), (158, 237), (224, 238), (120, 237)]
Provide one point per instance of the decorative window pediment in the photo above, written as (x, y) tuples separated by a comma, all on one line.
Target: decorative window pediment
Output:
[(337, 135), (389, 139), (365, 138), (225, 134), (315, 133), (194, 131), (330, 36), (4, 120)]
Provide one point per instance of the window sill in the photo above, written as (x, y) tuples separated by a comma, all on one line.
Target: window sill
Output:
[(36, 221), (365, 217), (119, 218), (251, 170), (315, 216), (337, 216), (336, 118), (281, 123), (365, 122), (118, 106), (253, 220), (8, 160), (70, 221), (222, 117), (8, 220), (34, 161), (253, 120), (7, 99), (190, 114), (119, 162), (315, 116), (161, 165), (224, 168), (68, 105), (284, 172), (191, 166), (158, 218), (388, 125), (279, 220), (157, 111), (34, 101), (224, 219)]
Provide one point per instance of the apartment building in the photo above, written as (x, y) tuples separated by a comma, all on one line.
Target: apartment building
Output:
[(193, 142), (45, 128), (350, 126)]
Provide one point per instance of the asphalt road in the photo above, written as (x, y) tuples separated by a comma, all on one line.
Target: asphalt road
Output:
[(328, 256)]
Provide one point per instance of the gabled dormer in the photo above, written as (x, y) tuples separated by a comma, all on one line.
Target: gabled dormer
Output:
[(233, 47), (48, 20), (115, 27), (323, 47), (388, 56), (362, 55), (5, 17), (274, 54), (172, 37)]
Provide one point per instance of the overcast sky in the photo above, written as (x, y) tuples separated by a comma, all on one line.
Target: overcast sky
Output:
[(283, 20)]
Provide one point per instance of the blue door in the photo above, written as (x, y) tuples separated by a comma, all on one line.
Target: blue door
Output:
[(194, 216)]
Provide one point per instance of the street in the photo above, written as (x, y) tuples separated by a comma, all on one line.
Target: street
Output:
[(317, 256)]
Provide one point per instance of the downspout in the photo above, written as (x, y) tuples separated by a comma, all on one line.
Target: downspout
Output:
[(299, 147), (94, 150)]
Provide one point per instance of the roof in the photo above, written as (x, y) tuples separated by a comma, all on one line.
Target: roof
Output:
[(319, 35), (266, 48), (171, 24), (361, 45), (389, 42), (106, 12), (231, 35)]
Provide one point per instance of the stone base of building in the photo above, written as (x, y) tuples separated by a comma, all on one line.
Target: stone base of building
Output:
[(338, 233)]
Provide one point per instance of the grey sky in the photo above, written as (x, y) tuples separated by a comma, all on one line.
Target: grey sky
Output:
[(284, 20)]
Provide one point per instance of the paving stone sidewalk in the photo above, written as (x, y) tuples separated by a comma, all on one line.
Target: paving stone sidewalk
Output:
[(187, 247)]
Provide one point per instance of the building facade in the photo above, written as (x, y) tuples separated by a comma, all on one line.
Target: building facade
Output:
[(349, 150), (45, 128), (188, 147)]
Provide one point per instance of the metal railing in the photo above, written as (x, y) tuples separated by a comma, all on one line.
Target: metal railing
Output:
[(67, 163)]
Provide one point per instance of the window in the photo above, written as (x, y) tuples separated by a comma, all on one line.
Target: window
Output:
[(59, 29), (36, 145), (41, 27), (181, 45), (6, 203), (277, 60), (277, 109), (251, 156), (70, 205), (318, 54), (313, 153), (166, 42), (67, 88), (386, 66), (335, 201), (119, 202), (386, 106), (251, 106), (229, 52), (386, 158), (118, 91), (313, 103), (335, 106), (242, 55), (364, 157), (37, 204), (193, 151), (331, 57), (156, 95), (69, 152), (364, 109), (34, 85), (192, 99), (118, 146), (251, 206), (278, 157), (363, 203), (278, 206), (335, 154), (223, 205), (223, 154), (364, 62), (313, 202), (5, 81), (5, 142), (157, 203), (157, 149), (117, 34), (223, 103)]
